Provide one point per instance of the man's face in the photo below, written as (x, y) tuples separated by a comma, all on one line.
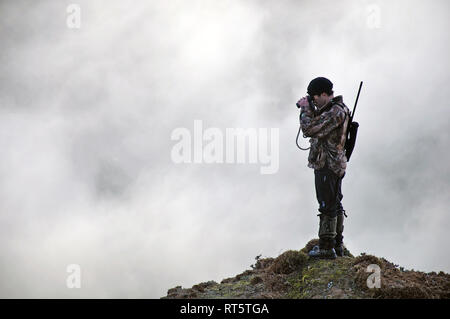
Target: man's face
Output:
[(320, 100)]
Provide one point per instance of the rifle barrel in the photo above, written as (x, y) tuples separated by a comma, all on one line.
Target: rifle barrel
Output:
[(356, 102)]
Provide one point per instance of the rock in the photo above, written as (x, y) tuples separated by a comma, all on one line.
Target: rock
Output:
[(293, 275)]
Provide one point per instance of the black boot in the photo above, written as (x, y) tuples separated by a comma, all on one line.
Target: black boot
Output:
[(323, 253), (339, 246), (327, 233)]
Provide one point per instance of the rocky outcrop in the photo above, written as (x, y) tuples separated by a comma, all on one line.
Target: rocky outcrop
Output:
[(294, 275)]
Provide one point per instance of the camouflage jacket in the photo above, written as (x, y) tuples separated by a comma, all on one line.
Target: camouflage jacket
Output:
[(327, 128)]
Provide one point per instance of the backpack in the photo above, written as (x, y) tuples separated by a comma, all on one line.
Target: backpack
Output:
[(350, 139)]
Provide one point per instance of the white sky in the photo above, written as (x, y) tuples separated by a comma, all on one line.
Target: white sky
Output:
[(86, 117)]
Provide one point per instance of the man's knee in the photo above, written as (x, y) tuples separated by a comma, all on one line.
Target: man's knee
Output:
[(329, 209)]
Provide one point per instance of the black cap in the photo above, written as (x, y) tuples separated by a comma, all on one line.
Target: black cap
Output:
[(320, 85)]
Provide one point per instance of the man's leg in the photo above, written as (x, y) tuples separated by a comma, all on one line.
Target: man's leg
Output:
[(339, 239), (326, 187), (339, 244), (327, 231)]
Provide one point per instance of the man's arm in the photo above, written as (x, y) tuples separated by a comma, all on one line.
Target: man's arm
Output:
[(321, 125)]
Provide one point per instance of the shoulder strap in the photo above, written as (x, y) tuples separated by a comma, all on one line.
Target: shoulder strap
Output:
[(343, 108)]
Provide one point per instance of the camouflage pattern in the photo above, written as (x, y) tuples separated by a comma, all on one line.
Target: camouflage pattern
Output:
[(327, 128), (327, 229), (339, 229), (339, 245)]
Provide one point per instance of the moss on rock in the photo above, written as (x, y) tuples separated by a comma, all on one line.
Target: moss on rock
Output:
[(289, 261), (294, 275)]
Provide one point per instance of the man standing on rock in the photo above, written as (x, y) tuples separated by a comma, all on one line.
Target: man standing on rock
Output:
[(325, 121)]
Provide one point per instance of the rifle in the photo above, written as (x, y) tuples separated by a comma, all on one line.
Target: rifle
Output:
[(352, 130)]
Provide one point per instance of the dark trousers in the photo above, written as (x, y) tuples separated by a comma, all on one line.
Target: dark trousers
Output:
[(329, 196), (328, 192)]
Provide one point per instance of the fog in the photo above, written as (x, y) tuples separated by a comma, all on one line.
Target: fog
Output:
[(86, 117)]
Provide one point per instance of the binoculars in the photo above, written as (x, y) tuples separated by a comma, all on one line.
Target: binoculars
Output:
[(310, 101)]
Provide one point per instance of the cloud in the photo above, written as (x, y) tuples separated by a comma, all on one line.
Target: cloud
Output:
[(86, 118)]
